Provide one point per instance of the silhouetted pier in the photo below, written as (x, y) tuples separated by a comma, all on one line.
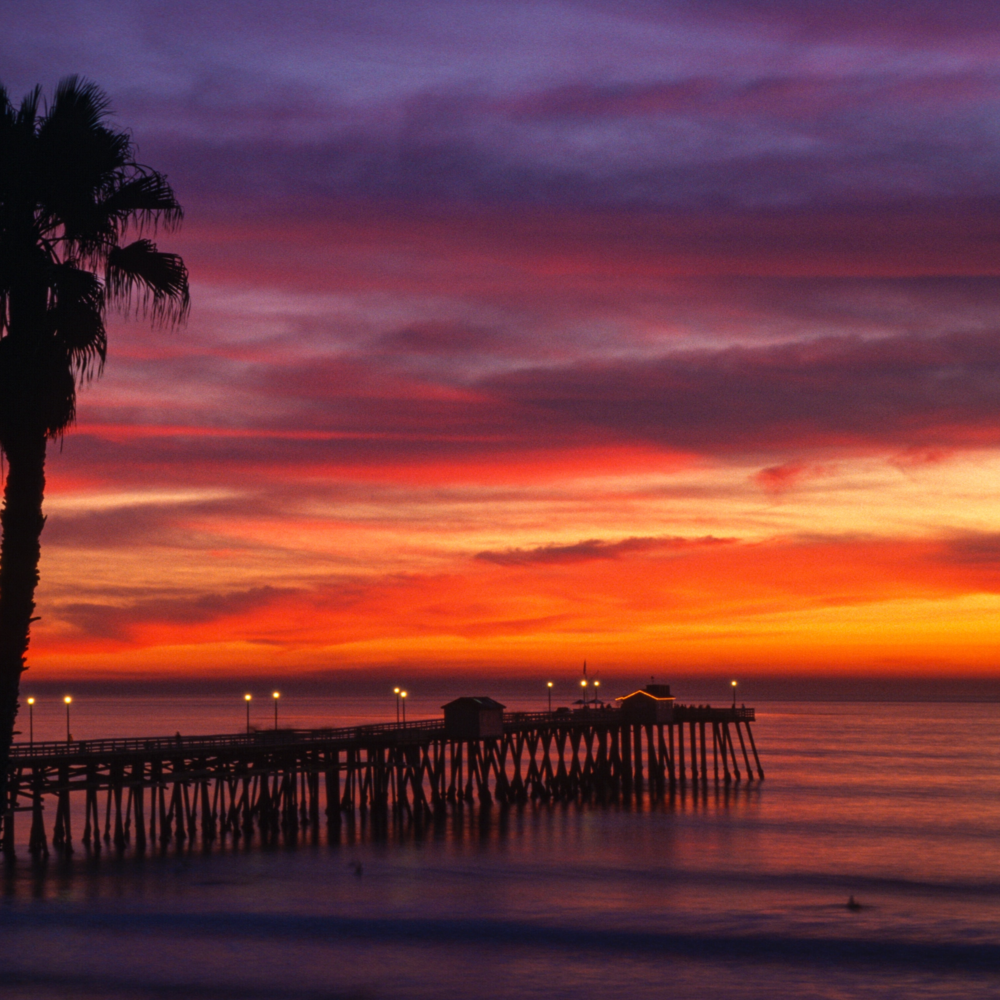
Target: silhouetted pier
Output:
[(139, 792)]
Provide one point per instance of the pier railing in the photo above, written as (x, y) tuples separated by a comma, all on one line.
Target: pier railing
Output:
[(706, 713), (385, 733), (252, 740)]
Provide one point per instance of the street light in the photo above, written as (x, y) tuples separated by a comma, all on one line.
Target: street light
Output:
[(597, 684), (276, 696), (734, 694), (583, 684), (396, 692), (31, 722), (549, 685), (69, 701), (402, 695), (247, 698)]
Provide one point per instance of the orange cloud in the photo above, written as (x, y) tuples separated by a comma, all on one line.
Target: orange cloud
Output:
[(639, 600), (778, 479)]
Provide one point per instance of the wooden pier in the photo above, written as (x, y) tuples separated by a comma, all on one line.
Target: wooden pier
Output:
[(142, 793)]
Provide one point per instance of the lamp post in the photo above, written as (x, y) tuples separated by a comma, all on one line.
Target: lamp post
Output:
[(597, 684), (583, 684), (396, 692), (402, 696), (549, 686), (69, 701), (31, 722), (247, 698), (276, 696), (734, 694)]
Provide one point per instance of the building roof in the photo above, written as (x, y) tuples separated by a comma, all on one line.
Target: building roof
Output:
[(660, 690), (480, 702), (645, 694)]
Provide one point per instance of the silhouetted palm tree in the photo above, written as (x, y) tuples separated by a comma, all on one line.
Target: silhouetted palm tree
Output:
[(70, 192)]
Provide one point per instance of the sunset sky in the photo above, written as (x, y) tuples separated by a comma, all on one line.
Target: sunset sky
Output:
[(651, 333)]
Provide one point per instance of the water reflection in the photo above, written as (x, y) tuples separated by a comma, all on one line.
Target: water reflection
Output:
[(458, 824)]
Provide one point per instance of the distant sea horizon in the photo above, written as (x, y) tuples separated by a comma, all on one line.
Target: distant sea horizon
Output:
[(130, 707), (687, 686)]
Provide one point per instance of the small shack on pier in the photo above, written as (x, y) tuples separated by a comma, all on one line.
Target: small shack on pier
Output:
[(473, 718), (651, 705)]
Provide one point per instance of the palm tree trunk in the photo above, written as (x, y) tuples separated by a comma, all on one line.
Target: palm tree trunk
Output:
[(22, 521)]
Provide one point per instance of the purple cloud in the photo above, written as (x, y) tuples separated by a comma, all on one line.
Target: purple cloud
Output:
[(107, 621), (585, 104), (593, 549), (828, 393)]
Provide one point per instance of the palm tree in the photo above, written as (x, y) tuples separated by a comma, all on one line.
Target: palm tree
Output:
[(70, 192)]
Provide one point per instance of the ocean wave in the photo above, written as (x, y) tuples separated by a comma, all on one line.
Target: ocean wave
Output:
[(710, 945)]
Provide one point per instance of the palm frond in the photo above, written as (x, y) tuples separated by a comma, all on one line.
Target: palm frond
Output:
[(138, 277), (79, 157), (76, 319), (70, 191), (57, 402), (79, 101), (17, 135), (27, 113), (145, 200), (17, 152)]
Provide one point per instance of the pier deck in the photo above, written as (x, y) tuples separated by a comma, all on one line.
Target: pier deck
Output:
[(175, 788)]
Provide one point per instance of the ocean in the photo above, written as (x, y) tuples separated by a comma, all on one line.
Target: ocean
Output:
[(738, 894)]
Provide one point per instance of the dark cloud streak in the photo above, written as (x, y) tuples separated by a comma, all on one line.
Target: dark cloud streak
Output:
[(116, 622), (902, 394), (844, 393), (593, 549)]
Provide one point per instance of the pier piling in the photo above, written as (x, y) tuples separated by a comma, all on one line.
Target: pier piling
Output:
[(284, 781)]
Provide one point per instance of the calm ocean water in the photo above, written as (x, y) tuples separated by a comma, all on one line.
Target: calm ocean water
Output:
[(729, 895)]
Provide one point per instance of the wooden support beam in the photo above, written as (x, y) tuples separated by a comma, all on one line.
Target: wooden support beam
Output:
[(666, 762), (548, 775), (107, 811), (13, 790), (732, 751), (333, 788), (628, 774), (573, 774), (188, 820), (653, 762), (129, 806), (743, 747), (119, 834), (62, 807), (753, 746), (637, 740), (165, 813), (38, 844), (139, 803), (207, 819), (440, 790), (533, 776)]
